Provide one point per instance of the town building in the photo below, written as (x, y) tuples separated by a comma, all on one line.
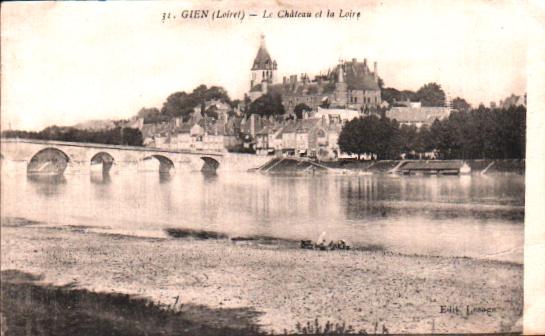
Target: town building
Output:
[(310, 137), (351, 84), (414, 114)]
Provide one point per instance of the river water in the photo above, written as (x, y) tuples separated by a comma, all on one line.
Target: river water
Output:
[(474, 216)]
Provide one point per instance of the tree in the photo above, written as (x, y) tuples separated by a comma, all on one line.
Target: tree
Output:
[(179, 104), (408, 138), (371, 135), (392, 95), (131, 137), (113, 136), (300, 108), (424, 140), (151, 115), (212, 112), (461, 104), (267, 105), (182, 104), (431, 94)]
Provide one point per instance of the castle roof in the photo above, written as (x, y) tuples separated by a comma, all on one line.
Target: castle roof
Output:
[(358, 76), (301, 89)]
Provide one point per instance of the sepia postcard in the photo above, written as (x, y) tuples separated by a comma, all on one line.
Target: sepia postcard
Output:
[(272, 168)]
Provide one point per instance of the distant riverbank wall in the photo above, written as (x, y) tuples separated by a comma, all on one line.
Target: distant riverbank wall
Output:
[(240, 162), (484, 166)]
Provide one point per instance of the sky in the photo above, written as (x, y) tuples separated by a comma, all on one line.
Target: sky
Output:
[(67, 62)]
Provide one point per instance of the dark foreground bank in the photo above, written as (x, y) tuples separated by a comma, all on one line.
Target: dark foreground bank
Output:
[(32, 308)]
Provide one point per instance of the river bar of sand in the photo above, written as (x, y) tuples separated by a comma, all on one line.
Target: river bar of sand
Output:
[(285, 286)]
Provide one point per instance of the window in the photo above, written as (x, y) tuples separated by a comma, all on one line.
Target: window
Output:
[(355, 99)]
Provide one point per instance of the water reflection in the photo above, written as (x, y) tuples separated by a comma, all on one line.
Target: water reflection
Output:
[(445, 215), (209, 176), (47, 185), (164, 177), (100, 178)]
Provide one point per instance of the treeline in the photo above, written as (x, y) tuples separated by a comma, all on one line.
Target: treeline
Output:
[(430, 94), (482, 133), (114, 136), (183, 104)]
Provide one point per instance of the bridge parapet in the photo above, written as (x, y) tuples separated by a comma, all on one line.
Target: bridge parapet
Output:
[(51, 143), (82, 155)]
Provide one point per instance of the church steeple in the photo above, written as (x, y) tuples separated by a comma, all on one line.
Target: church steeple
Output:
[(263, 60), (264, 67)]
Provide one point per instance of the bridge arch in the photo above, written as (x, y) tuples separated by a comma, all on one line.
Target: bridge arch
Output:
[(48, 161), (165, 164), (210, 164), (104, 159)]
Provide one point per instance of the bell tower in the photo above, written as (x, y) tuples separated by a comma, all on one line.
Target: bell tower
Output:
[(264, 67)]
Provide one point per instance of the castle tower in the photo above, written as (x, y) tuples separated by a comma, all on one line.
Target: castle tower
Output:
[(264, 67), (341, 88)]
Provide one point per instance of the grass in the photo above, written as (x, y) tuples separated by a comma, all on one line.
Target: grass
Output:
[(329, 328), (32, 308)]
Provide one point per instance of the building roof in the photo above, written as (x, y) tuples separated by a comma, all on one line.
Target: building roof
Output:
[(263, 60), (290, 127), (424, 115), (344, 114), (358, 76)]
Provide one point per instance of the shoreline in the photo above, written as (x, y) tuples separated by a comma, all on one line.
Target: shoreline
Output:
[(189, 234), (285, 286)]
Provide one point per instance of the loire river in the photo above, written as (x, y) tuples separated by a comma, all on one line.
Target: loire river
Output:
[(474, 216)]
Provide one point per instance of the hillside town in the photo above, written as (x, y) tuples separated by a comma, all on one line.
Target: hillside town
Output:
[(304, 115), (316, 108)]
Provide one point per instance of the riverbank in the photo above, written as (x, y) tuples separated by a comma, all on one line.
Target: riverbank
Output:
[(270, 285), (485, 166)]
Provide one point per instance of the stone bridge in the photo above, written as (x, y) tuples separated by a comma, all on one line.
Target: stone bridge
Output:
[(54, 157)]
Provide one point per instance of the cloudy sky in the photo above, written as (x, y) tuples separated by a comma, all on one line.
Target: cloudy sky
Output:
[(67, 62)]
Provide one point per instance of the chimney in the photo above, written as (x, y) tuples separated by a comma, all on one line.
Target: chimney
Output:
[(284, 80), (375, 69), (354, 60)]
